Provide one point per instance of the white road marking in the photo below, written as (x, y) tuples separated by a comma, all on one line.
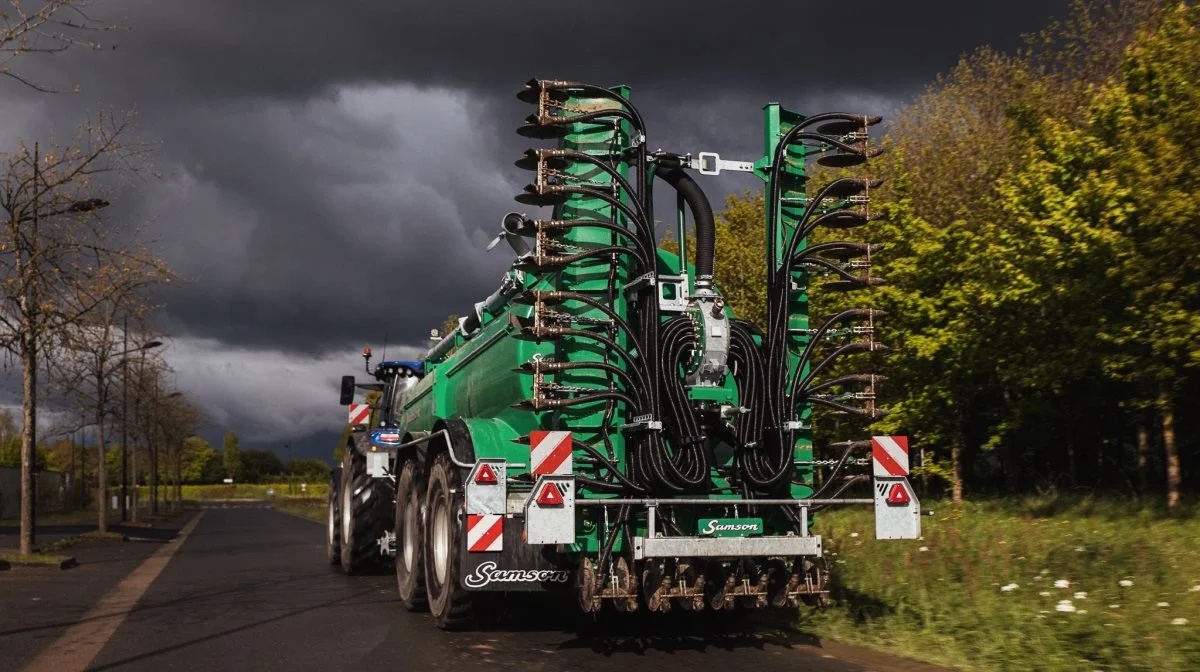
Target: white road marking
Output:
[(79, 645)]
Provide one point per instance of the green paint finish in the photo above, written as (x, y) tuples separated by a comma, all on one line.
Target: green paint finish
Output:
[(730, 527)]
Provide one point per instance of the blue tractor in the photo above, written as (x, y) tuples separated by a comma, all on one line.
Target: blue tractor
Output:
[(361, 504)]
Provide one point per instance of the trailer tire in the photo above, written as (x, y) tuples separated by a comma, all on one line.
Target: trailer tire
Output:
[(366, 508), (452, 606), (333, 527), (410, 561)]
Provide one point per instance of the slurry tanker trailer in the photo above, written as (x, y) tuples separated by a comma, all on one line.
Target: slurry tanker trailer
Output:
[(602, 425)]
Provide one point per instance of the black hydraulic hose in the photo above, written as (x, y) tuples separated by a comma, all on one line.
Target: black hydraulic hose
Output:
[(643, 255), (847, 349), (600, 395), (555, 367), (838, 406), (702, 214), (608, 343), (840, 380)]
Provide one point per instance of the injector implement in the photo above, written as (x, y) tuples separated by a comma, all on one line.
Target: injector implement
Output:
[(603, 425)]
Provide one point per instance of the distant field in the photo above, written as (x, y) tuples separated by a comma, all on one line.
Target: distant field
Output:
[(1038, 585), (247, 491)]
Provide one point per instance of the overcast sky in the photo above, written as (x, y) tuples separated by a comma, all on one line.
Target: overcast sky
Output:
[(308, 146)]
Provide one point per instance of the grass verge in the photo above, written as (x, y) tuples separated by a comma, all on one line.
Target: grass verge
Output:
[(1037, 584), (248, 491), (38, 559), (312, 509)]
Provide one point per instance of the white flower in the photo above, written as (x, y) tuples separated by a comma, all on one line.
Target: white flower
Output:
[(1079, 549), (923, 549), (1062, 583), (1003, 542), (1196, 588), (1081, 595), (1114, 606), (1011, 586), (1037, 578), (1179, 621), (1065, 606), (1162, 605), (1021, 557), (1044, 572), (854, 534), (1125, 583), (1044, 593), (1083, 611)]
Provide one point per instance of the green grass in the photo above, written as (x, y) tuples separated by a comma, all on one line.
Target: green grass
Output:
[(313, 509), (246, 491), (78, 517), (940, 599), (32, 559)]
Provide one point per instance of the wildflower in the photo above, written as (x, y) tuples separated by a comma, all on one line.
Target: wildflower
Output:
[(923, 549), (1037, 578), (1062, 583), (1003, 542), (1162, 605), (1079, 549), (1044, 593), (1009, 587), (1081, 595), (1083, 611), (1125, 583), (1021, 557), (1179, 621), (1044, 572), (1196, 588), (854, 534), (1065, 606), (1114, 606)]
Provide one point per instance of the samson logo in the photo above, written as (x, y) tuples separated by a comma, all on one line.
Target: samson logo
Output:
[(487, 573), (731, 527)]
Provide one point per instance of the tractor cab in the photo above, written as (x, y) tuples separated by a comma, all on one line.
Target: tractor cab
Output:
[(394, 379)]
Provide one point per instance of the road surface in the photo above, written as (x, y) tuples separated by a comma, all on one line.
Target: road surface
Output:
[(249, 589)]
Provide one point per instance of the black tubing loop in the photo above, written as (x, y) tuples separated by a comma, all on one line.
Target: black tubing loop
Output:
[(702, 214)]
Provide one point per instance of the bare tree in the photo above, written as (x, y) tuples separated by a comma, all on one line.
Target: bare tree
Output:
[(46, 27), (59, 262)]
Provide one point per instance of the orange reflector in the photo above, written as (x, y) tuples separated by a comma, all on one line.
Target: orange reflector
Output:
[(486, 475), (897, 495), (549, 496)]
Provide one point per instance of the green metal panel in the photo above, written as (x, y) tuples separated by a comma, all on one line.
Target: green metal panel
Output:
[(789, 208)]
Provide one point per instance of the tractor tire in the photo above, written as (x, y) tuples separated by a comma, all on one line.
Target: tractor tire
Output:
[(452, 606), (333, 531), (366, 508), (410, 560)]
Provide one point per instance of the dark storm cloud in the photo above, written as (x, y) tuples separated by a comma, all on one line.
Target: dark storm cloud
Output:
[(249, 100), (332, 171)]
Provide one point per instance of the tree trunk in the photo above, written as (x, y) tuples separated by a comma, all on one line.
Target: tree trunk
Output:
[(134, 476), (956, 470), (101, 475), (28, 437), (1171, 451), (1143, 458)]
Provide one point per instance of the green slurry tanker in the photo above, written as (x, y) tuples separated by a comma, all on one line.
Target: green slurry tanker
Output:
[(603, 425)]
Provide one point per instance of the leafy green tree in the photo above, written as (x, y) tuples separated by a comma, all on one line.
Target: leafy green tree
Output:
[(1118, 198), (195, 456), (231, 456), (260, 465)]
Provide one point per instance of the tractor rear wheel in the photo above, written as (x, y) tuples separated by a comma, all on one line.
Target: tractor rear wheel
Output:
[(452, 606), (333, 526), (410, 563), (366, 508)]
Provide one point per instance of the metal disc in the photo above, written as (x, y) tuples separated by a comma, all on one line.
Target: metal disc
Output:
[(537, 132), (530, 198), (845, 220), (841, 159)]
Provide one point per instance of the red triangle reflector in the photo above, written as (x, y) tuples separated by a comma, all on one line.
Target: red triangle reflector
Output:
[(549, 496), (486, 475), (897, 495)]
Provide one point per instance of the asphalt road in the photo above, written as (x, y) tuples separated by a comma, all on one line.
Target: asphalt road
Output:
[(249, 589)]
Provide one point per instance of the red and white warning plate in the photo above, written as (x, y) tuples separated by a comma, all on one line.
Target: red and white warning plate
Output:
[(889, 455), (485, 533), (550, 453), (359, 414)]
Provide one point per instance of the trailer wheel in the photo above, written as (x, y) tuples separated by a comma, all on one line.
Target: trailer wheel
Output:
[(452, 606), (333, 531), (410, 565), (366, 506)]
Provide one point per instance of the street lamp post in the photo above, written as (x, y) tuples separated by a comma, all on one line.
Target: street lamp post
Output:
[(125, 412)]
